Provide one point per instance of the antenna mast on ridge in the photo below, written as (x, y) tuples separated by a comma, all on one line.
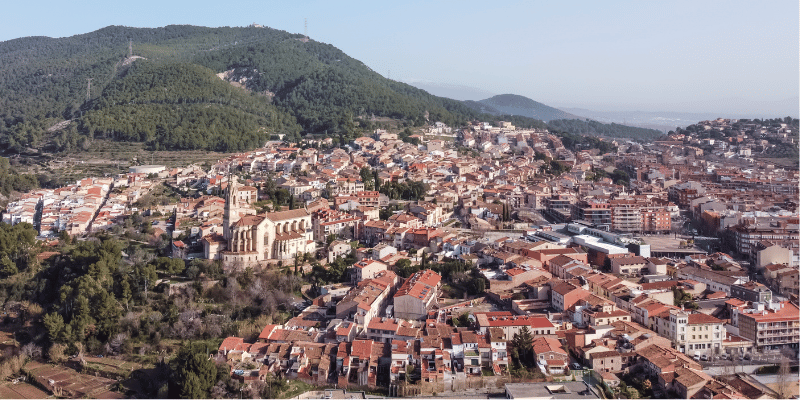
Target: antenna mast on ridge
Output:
[(305, 29), (88, 88)]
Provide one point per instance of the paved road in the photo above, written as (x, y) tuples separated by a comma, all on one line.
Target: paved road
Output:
[(765, 379), (719, 370)]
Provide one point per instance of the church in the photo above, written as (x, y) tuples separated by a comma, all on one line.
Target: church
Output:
[(251, 239)]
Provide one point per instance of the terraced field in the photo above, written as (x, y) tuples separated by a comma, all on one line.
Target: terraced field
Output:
[(21, 390), (66, 382), (110, 367)]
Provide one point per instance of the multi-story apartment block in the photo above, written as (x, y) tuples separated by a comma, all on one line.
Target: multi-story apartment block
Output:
[(784, 232), (370, 198), (596, 212), (753, 292), (559, 206), (365, 301), (626, 216), (683, 194), (691, 333), (327, 222), (656, 219), (417, 295), (770, 326)]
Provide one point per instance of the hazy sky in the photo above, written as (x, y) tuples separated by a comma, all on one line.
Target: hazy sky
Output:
[(670, 55)]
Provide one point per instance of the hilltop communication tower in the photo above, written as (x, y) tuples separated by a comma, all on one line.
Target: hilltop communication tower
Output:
[(305, 27), (88, 87)]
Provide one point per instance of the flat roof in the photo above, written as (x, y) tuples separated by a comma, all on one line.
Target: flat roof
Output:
[(550, 390), (598, 244)]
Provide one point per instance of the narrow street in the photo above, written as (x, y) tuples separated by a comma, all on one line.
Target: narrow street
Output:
[(100, 207)]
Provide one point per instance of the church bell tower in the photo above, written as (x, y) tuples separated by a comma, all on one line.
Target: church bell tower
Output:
[(230, 214)]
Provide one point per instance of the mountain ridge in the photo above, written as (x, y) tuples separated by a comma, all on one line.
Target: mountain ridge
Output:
[(296, 87), (520, 105)]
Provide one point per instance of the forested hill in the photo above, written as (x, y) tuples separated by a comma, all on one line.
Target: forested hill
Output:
[(173, 94), (168, 92), (181, 106), (521, 105), (594, 128)]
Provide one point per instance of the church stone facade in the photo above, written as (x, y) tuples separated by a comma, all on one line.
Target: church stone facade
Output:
[(252, 239)]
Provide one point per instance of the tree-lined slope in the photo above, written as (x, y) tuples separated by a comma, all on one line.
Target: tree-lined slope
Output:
[(182, 106), (521, 105), (169, 93)]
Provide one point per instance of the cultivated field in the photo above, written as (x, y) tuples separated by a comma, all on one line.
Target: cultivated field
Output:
[(110, 367), (105, 156), (21, 390), (66, 382)]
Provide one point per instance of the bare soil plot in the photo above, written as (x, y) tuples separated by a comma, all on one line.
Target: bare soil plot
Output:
[(22, 390), (66, 382), (110, 367)]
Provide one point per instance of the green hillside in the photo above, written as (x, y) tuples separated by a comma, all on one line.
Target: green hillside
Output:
[(321, 85), (521, 105), (185, 107), (170, 101), (594, 128), (169, 96)]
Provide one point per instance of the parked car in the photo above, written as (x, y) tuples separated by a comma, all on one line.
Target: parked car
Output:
[(704, 357), (576, 366), (696, 357)]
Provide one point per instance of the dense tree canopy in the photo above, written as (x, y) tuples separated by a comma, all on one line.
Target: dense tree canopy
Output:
[(594, 128)]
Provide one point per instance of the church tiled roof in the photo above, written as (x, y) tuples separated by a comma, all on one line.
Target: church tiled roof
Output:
[(249, 220), (289, 214)]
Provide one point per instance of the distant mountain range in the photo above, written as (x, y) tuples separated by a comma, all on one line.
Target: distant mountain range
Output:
[(669, 120), (519, 105)]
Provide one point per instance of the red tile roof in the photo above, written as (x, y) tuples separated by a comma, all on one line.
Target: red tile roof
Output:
[(386, 324), (266, 331), (361, 349), (788, 311), (700, 318), (420, 285), (230, 343), (545, 344), (520, 320)]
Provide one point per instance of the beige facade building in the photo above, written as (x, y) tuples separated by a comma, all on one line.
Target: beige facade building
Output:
[(773, 255), (692, 333), (250, 239), (417, 295)]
